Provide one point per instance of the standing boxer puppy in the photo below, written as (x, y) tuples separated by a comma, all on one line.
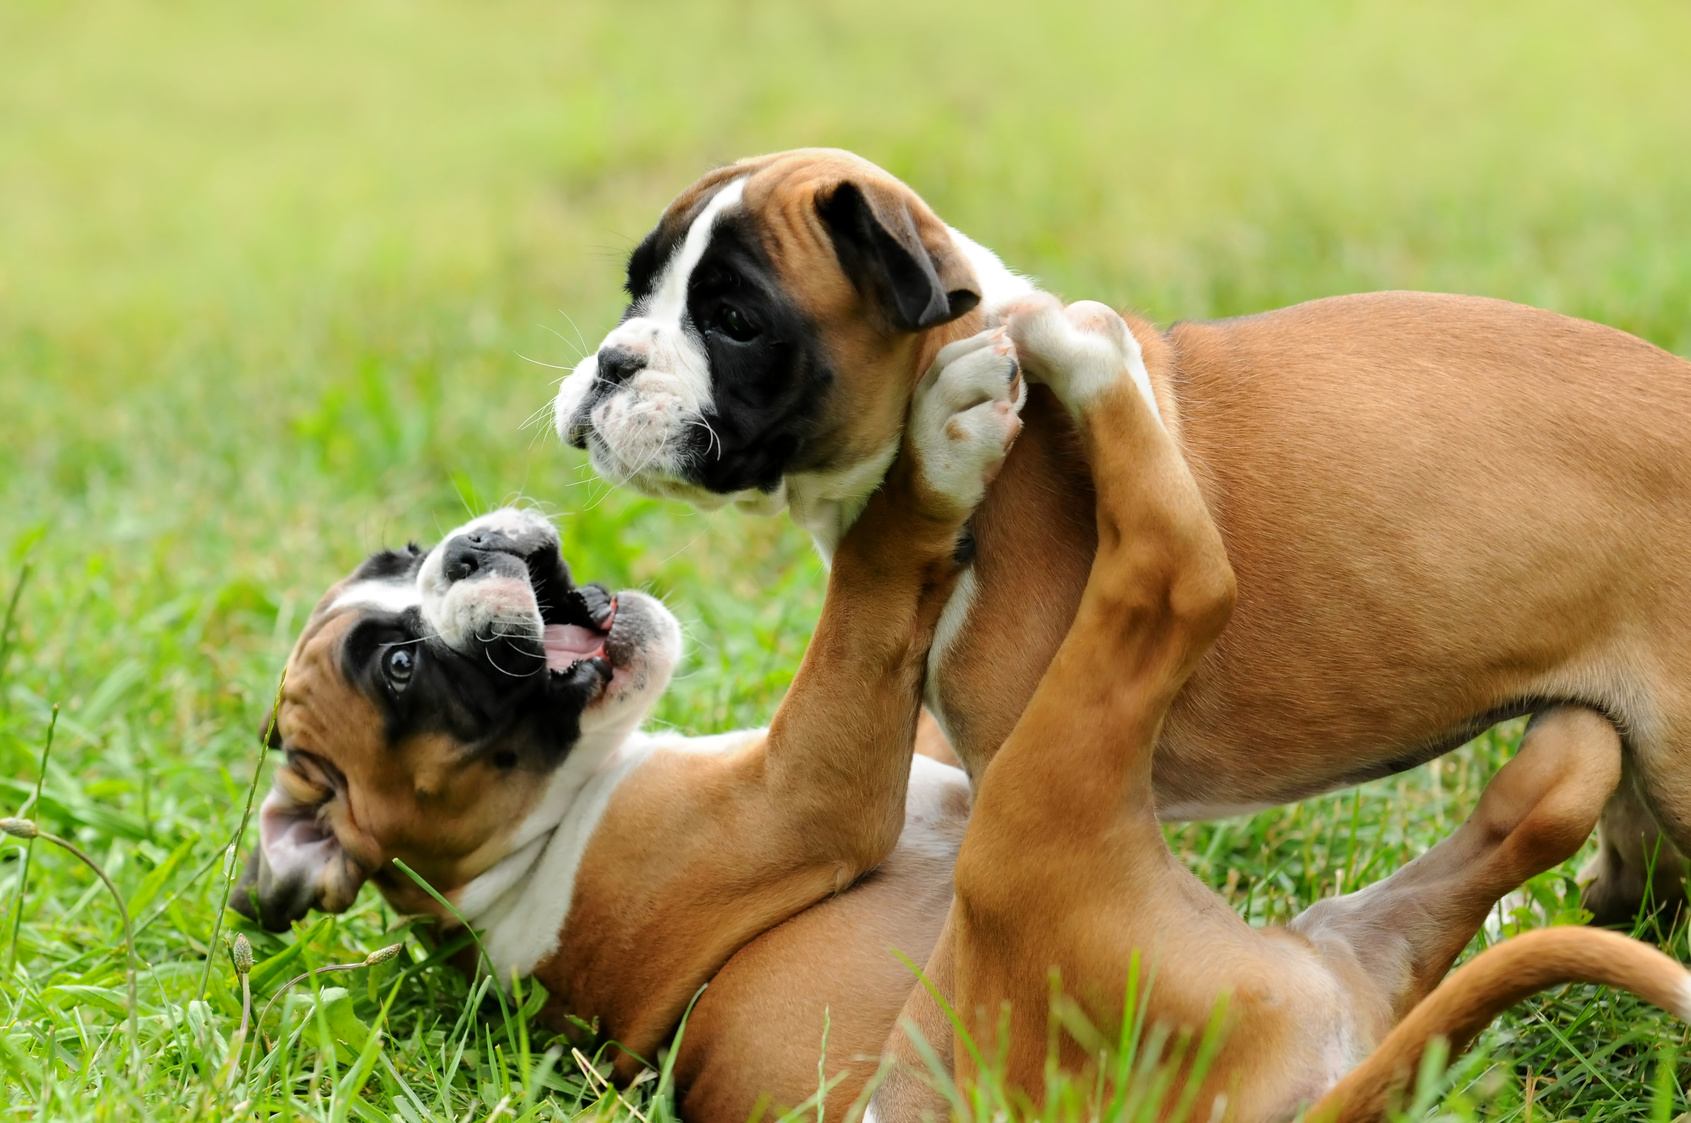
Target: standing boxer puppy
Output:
[(474, 712), (1064, 865), (1442, 511)]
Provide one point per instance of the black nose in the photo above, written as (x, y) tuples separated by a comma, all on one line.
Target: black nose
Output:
[(467, 553), (618, 364)]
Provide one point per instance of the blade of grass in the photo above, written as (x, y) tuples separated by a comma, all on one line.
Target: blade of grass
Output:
[(233, 849), (21, 826), (498, 991), (11, 618)]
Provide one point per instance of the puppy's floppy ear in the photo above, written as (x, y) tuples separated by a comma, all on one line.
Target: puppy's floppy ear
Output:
[(299, 863), (898, 254)]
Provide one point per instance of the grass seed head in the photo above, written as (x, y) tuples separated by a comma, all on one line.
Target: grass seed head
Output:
[(382, 955), (21, 828), (241, 952)]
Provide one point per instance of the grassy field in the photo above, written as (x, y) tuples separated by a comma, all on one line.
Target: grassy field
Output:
[(283, 282)]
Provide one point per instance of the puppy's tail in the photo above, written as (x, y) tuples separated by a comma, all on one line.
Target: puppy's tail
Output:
[(1494, 980)]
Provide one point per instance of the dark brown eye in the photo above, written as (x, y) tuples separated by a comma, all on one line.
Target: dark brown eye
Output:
[(399, 663), (735, 325)]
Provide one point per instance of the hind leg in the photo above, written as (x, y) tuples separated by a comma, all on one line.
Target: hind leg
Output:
[(1397, 938), (1634, 860), (1064, 867)]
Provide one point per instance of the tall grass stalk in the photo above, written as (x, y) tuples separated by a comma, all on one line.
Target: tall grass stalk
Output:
[(27, 829), (233, 851), (29, 847), (10, 620)]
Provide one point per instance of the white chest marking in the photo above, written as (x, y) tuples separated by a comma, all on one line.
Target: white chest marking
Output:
[(520, 904)]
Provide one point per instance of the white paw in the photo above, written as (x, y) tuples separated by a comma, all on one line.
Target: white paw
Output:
[(1079, 351), (965, 415)]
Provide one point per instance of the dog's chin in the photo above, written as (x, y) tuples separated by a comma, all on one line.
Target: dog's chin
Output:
[(657, 476)]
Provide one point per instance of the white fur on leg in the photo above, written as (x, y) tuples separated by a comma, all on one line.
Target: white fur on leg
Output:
[(1079, 351)]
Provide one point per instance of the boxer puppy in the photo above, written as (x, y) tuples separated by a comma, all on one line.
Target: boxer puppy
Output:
[(1443, 511), (475, 712), (1065, 869)]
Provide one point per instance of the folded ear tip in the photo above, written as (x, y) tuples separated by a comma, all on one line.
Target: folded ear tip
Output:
[(268, 734), (939, 311), (962, 301), (898, 253)]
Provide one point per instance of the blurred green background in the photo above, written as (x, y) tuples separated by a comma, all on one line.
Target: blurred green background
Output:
[(284, 282)]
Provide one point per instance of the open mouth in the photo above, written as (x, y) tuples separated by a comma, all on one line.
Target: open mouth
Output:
[(576, 620), (567, 645)]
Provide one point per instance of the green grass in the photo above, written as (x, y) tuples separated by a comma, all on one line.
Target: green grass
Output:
[(279, 283)]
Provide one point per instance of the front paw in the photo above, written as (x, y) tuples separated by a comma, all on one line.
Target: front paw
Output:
[(964, 417)]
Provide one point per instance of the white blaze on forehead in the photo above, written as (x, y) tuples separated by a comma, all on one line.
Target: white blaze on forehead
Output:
[(667, 302), (642, 430), (384, 595)]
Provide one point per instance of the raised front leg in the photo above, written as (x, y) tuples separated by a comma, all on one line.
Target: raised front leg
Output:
[(839, 747), (1064, 865)]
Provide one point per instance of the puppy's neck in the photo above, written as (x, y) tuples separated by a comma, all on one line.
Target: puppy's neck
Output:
[(825, 504), (518, 905)]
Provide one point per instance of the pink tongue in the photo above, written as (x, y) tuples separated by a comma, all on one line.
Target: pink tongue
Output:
[(569, 643)]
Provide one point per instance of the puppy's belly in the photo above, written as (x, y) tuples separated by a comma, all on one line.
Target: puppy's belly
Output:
[(1228, 749)]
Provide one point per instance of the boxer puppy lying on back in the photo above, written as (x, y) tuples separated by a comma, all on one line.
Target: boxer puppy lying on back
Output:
[(474, 711)]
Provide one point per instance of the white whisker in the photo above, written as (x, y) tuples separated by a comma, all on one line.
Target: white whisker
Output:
[(582, 340), (542, 362)]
